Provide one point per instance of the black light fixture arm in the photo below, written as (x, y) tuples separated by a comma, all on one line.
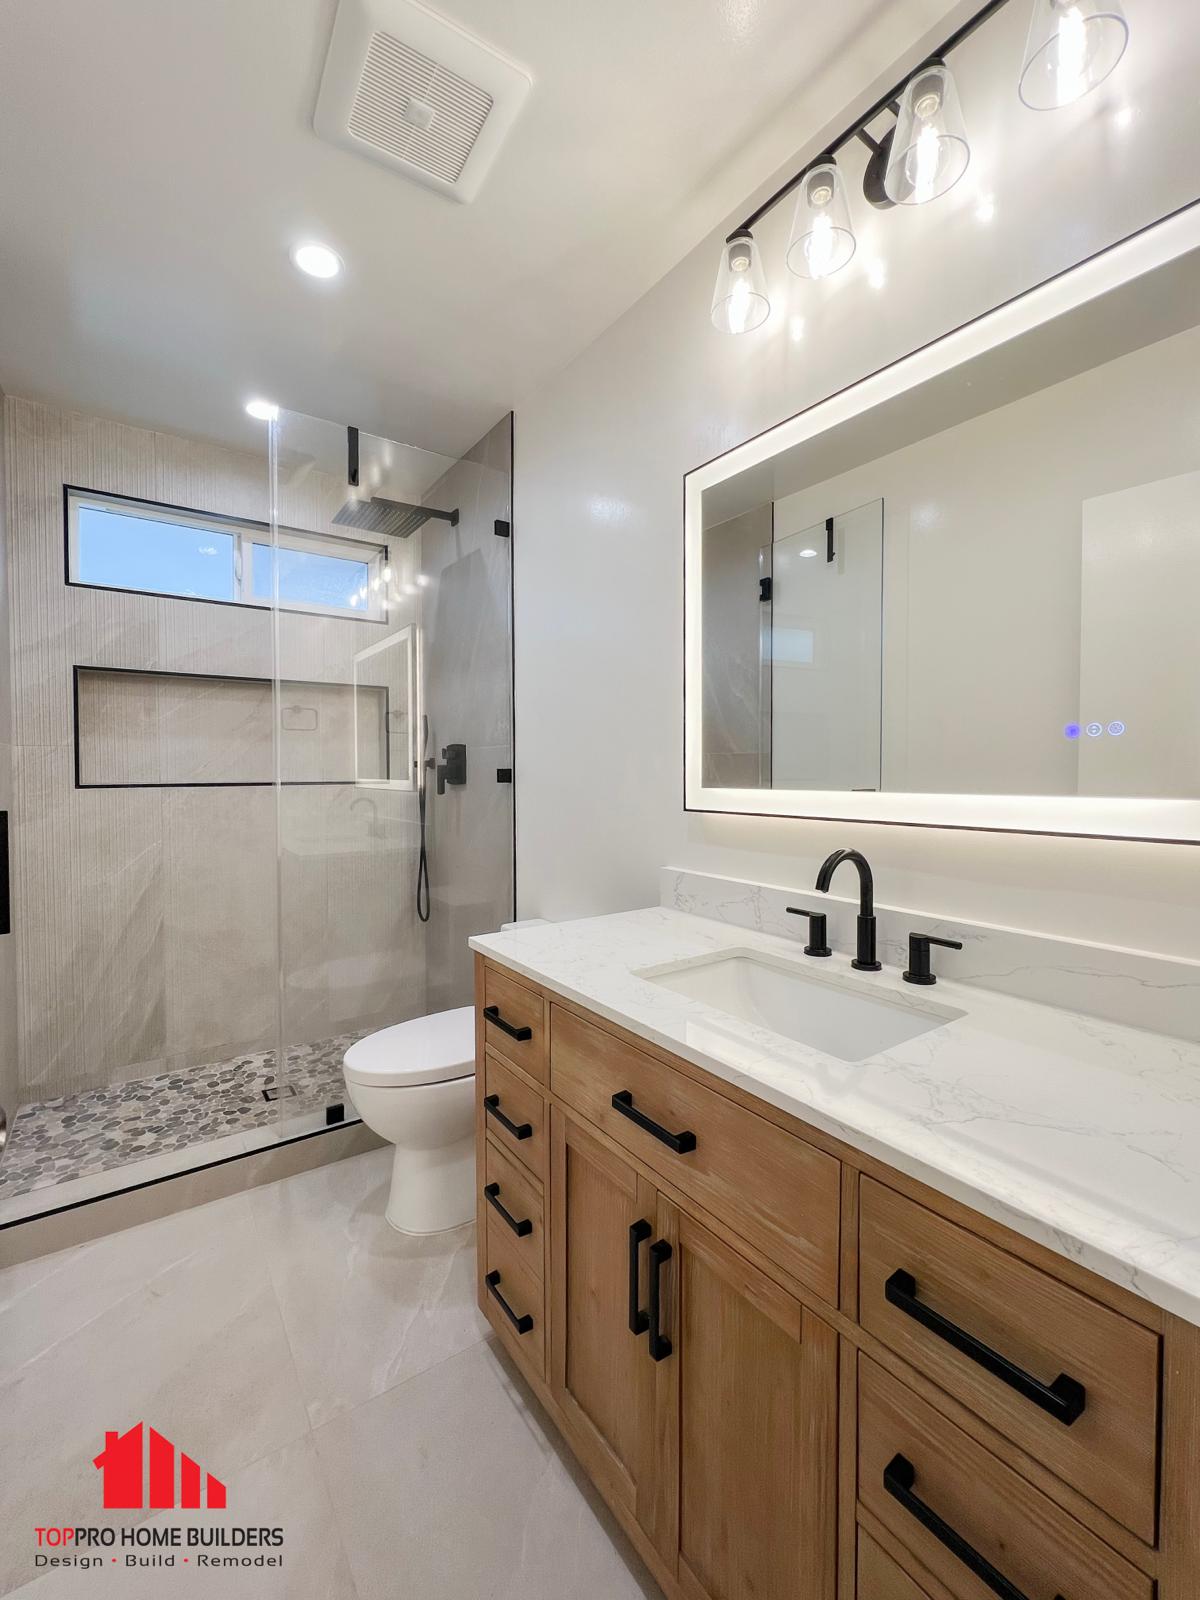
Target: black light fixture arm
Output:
[(858, 130)]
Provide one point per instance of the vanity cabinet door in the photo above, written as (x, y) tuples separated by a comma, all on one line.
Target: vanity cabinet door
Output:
[(747, 1397), (601, 1224)]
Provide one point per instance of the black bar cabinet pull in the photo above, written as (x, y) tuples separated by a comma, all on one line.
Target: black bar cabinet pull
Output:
[(660, 1345), (639, 1232), (519, 1130), (492, 1013), (523, 1324), (521, 1226), (899, 1476), (1064, 1399), (681, 1143)]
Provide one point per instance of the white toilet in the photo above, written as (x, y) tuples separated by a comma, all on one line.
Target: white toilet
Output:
[(413, 1084)]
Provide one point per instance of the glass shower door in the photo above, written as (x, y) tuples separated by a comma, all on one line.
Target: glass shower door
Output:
[(390, 588)]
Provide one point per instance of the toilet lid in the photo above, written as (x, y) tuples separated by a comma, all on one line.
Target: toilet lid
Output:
[(425, 1050)]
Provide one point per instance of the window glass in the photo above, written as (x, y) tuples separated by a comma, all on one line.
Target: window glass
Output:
[(119, 551), (306, 578)]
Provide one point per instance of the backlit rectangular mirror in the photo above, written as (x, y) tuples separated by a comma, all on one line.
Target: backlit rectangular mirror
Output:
[(966, 591)]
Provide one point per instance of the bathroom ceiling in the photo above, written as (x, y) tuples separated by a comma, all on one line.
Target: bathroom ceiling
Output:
[(159, 161)]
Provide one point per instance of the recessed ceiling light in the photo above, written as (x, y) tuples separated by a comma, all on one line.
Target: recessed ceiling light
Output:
[(318, 260), (262, 410), (808, 552)]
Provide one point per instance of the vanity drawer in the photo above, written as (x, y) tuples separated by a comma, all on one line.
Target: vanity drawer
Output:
[(939, 1474), (985, 1304), (513, 1299), (514, 1114), (512, 1204), (766, 1185), (879, 1578), (514, 1022)]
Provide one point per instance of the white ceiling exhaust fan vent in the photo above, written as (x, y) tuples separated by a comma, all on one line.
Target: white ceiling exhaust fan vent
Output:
[(413, 90)]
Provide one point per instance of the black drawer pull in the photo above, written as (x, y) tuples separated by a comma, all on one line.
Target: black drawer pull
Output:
[(681, 1143), (521, 1324), (519, 1130), (899, 1476), (639, 1232), (660, 1345), (1064, 1399), (492, 1013), (520, 1227)]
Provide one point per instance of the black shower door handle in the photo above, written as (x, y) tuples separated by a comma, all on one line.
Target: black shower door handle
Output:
[(519, 1130), (1064, 1399), (522, 1226), (492, 1013), (681, 1143), (899, 1478)]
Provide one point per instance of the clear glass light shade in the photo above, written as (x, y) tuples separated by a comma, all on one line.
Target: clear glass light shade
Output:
[(1073, 45), (822, 239), (740, 298), (930, 151)]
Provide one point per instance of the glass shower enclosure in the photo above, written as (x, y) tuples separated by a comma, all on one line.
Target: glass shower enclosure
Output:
[(256, 755), (394, 734)]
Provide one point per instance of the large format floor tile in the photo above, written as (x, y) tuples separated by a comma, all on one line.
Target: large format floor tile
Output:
[(284, 1490), (451, 1488), (175, 1324), (235, 1329), (365, 1307)]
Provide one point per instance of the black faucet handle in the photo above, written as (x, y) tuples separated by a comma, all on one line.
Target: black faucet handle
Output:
[(818, 936), (919, 970)]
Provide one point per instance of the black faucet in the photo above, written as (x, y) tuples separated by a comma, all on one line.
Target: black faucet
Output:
[(865, 959)]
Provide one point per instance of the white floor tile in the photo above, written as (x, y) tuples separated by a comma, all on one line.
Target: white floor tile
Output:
[(284, 1490), (173, 1323), (451, 1488), (365, 1307)]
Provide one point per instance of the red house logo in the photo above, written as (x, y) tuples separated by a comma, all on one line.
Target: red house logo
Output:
[(123, 1462)]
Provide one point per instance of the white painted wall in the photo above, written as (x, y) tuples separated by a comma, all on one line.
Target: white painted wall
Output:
[(600, 458)]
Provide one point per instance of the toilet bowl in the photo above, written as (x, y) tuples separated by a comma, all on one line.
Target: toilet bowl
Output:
[(413, 1084)]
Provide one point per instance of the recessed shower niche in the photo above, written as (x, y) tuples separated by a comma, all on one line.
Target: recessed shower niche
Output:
[(137, 729)]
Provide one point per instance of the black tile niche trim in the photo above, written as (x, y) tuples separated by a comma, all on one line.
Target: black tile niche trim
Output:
[(218, 677)]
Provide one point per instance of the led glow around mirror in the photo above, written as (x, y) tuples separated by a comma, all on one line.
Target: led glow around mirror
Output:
[(862, 637)]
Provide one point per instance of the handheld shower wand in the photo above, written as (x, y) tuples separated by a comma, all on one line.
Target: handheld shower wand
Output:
[(424, 766)]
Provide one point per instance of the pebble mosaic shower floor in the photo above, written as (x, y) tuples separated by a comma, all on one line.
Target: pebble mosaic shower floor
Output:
[(57, 1141)]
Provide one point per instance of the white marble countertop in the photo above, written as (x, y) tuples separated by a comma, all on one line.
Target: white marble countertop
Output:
[(1078, 1133)]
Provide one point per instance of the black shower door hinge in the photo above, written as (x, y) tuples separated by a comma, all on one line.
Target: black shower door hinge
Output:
[(502, 529), (503, 774), (764, 589)]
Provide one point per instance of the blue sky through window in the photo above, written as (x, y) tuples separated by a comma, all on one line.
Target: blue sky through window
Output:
[(124, 552), (309, 579), (160, 555)]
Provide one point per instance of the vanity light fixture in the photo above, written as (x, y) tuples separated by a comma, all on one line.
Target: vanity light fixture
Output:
[(822, 239), (262, 410), (929, 151), (740, 298), (1073, 46)]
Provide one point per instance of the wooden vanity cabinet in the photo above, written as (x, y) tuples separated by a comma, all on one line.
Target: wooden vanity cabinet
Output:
[(774, 1355)]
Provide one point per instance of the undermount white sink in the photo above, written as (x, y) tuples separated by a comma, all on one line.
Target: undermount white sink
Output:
[(828, 1013)]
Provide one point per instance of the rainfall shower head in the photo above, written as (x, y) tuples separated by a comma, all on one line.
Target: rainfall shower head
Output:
[(390, 519)]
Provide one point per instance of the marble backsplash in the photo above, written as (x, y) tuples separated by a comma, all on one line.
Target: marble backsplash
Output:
[(1132, 987)]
